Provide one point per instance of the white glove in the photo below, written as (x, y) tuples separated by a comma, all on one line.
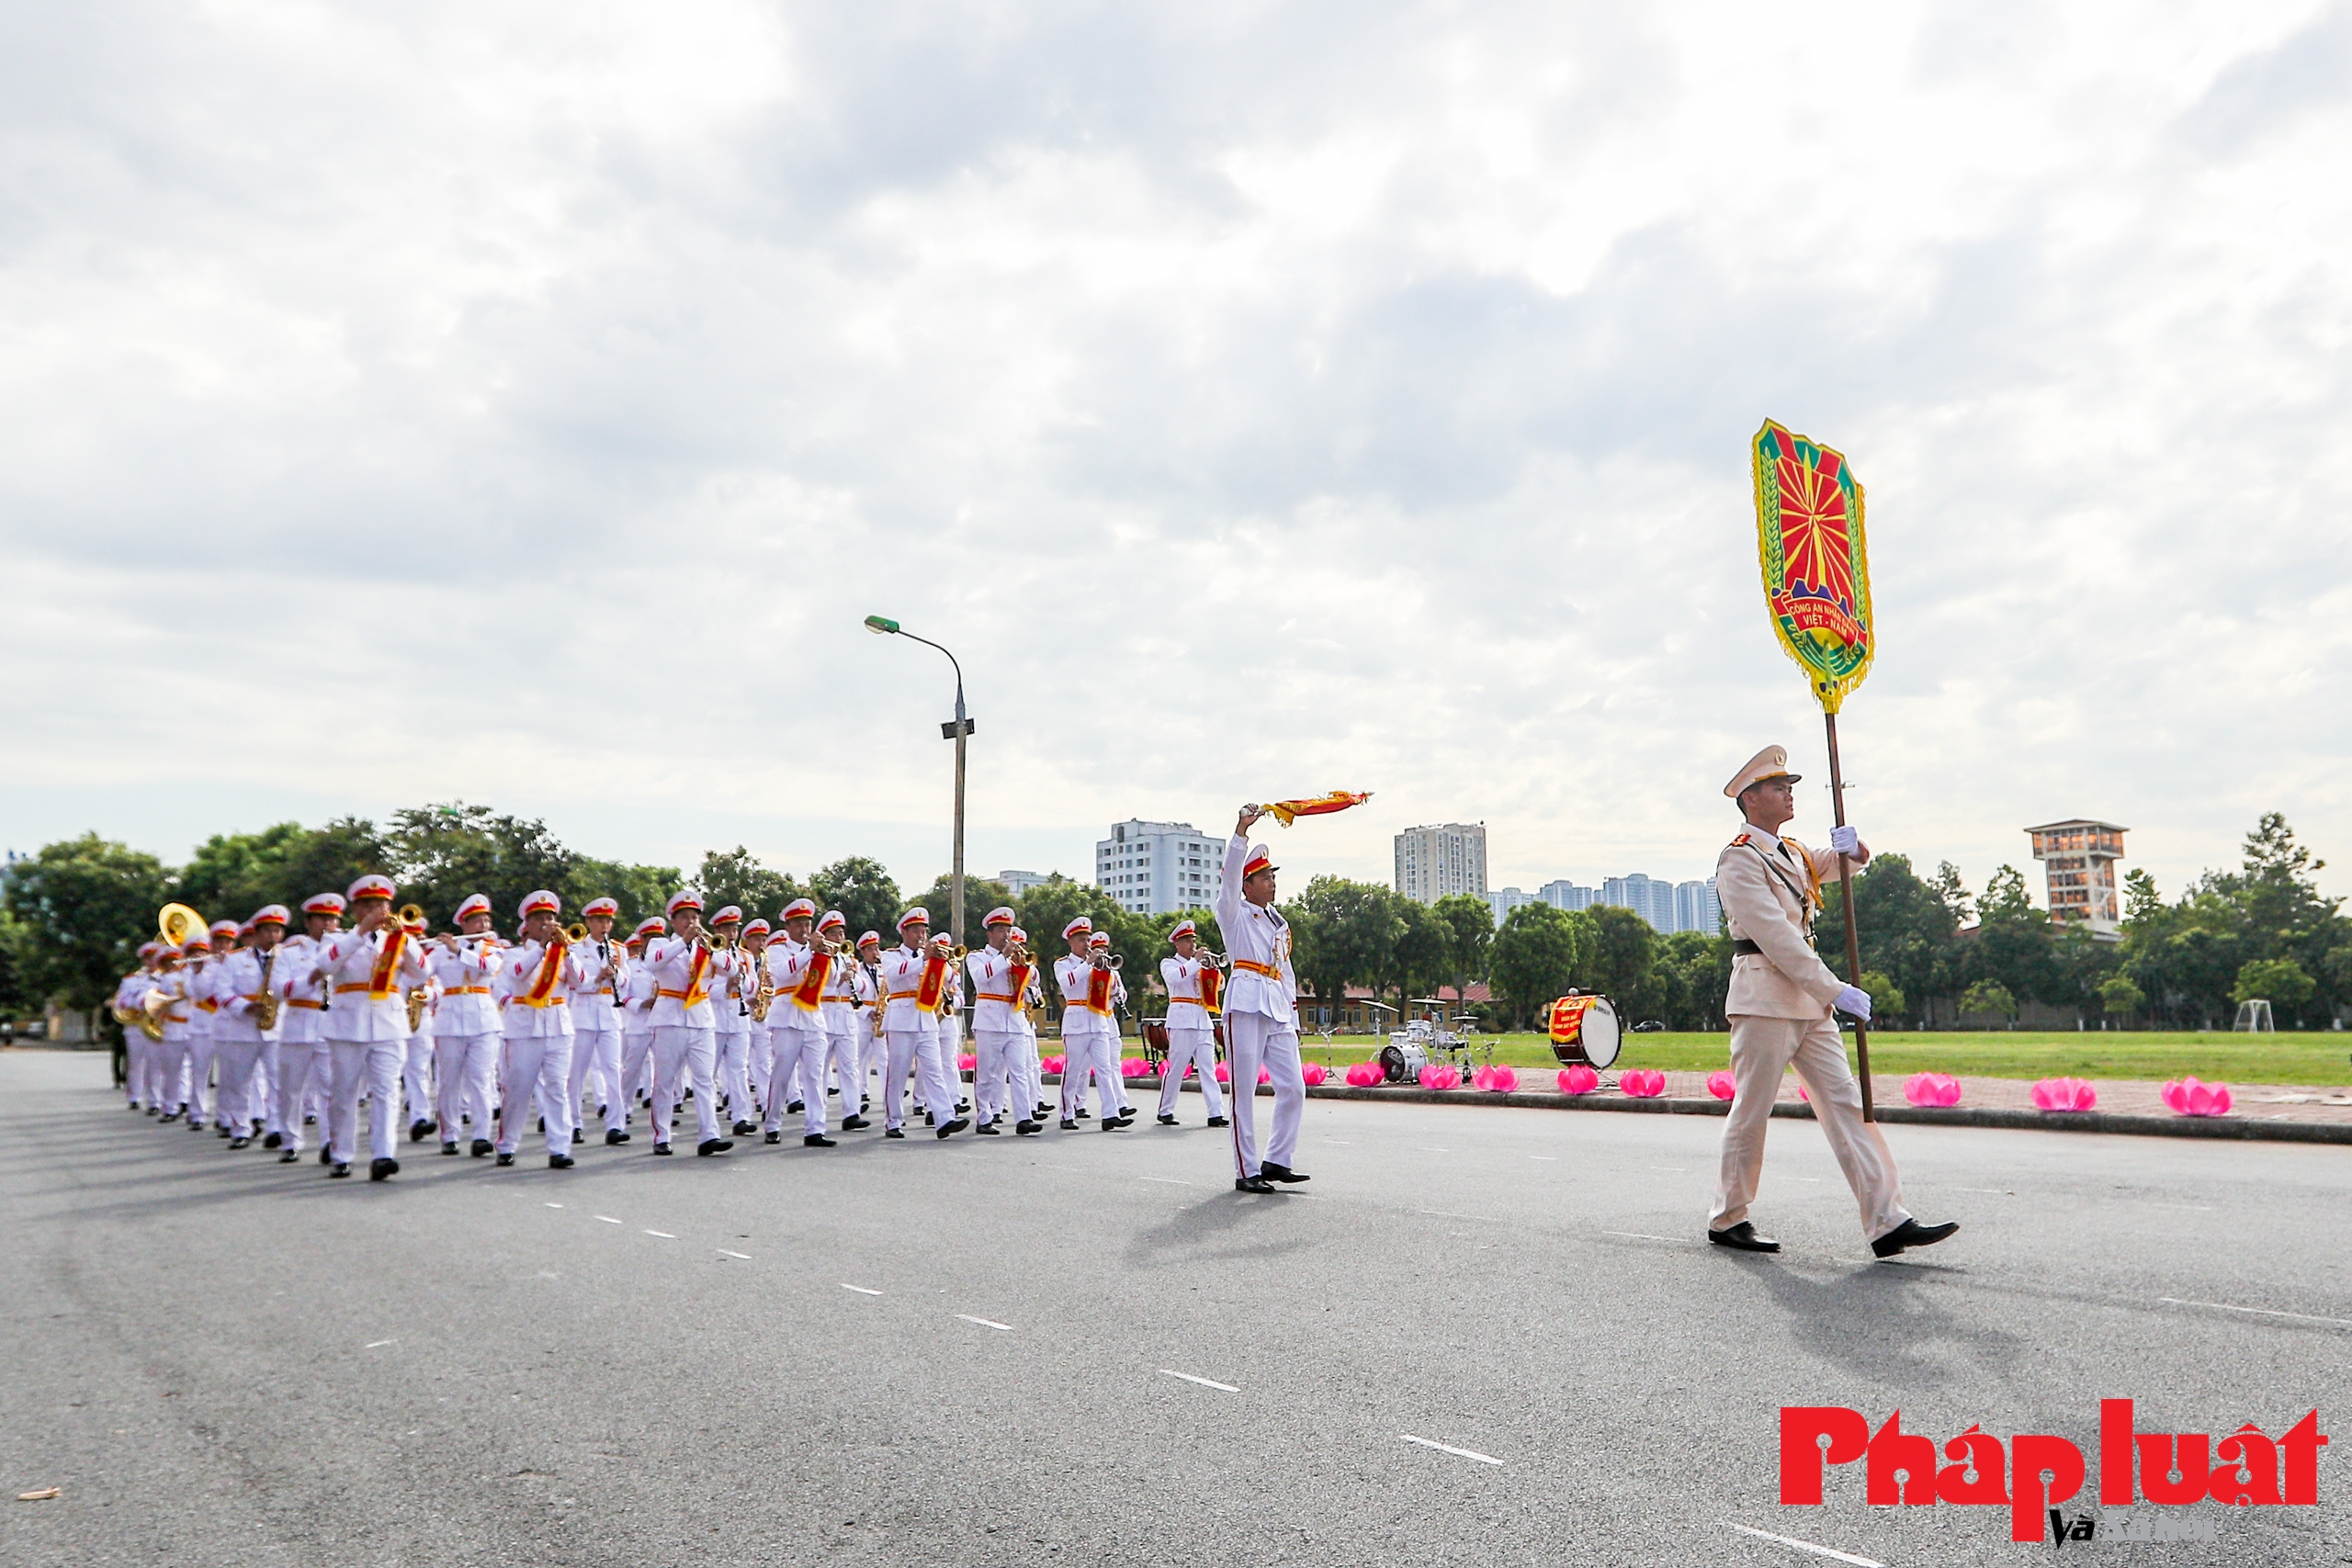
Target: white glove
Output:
[(1855, 1001), (1844, 840)]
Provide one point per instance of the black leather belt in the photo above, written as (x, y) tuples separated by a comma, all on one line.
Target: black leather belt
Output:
[(1744, 948)]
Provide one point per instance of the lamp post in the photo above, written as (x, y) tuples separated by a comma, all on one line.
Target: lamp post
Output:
[(956, 729)]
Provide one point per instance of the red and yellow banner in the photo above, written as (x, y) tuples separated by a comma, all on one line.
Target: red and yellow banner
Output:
[(1816, 571), (810, 994), (1286, 811)]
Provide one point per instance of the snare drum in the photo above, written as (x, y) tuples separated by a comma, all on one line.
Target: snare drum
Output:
[(1155, 1039), (1584, 1029), (1403, 1062)]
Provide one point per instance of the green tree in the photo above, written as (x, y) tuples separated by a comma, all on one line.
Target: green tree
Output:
[(1470, 937), (85, 904), (1623, 946), (17, 999), (232, 874), (640, 890), (1988, 997), (736, 876), (981, 893), (1538, 953), (444, 853), (1910, 927), (2014, 949), (2118, 998), (863, 892), (1342, 933), (1887, 1001), (2278, 981), (1422, 949)]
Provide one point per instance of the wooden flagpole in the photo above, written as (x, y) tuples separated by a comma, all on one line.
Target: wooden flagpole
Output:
[(1846, 903)]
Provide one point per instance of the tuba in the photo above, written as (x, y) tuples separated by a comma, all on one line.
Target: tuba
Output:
[(175, 923)]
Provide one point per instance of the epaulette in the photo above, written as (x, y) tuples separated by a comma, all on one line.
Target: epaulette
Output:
[(1736, 842)]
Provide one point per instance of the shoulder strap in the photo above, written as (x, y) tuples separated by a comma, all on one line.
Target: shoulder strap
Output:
[(1778, 875)]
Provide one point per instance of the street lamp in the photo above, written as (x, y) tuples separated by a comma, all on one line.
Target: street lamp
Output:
[(955, 729)]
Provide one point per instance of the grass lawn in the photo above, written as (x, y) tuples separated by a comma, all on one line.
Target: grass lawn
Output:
[(2290, 1058)]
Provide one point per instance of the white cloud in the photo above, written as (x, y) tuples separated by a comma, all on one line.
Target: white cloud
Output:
[(525, 401)]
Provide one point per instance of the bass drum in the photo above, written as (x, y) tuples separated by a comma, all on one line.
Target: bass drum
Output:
[(1403, 1064), (1584, 1029)]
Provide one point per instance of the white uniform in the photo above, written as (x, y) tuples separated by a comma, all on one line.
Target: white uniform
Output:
[(911, 1032), (171, 1066), (636, 1008), (129, 992), (301, 1059), (596, 1030), (1090, 1036), (203, 1008), (239, 982), (730, 1004), (468, 1035), (1004, 1043), (1261, 1019), (850, 991), (366, 1030), (685, 1046), (419, 1071), (797, 1042), (1192, 1034), (1777, 1008), (536, 981)]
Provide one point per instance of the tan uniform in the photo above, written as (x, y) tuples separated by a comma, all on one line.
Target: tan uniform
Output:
[(1779, 1011)]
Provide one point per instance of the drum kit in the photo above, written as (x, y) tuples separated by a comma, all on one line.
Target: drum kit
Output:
[(1585, 1030), (1421, 1042)]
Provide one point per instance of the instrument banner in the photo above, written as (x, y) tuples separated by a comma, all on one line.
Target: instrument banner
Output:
[(1568, 1017), (1816, 571), (1018, 979), (1098, 991), (550, 965), (810, 994), (935, 985), (387, 963), (697, 968), (1286, 811), (1213, 988)]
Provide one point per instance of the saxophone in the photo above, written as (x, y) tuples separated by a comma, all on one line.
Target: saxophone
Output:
[(265, 1005), (763, 994)]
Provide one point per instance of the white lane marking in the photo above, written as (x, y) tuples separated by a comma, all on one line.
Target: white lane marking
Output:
[(2259, 1312), (1204, 1382), (608, 1219), (1641, 1235), (984, 1322), (1448, 1214), (1808, 1546), (1449, 1449), (1670, 1169), (379, 1344), (1350, 1142), (744, 1255), (859, 1288), (1430, 1151), (1553, 1158), (1988, 1191), (2192, 1207), (665, 1236), (1169, 1179), (553, 1205)]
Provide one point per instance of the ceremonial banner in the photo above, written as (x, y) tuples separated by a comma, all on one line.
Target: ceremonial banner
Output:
[(1319, 806), (1816, 573)]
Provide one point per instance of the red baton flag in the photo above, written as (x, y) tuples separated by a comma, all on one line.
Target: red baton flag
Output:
[(1286, 811)]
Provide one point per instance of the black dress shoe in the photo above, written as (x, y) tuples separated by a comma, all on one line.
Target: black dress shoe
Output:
[(326, 1156), (1219, 1122), (713, 1146), (614, 1135), (543, 1124), (1274, 1172), (1254, 1184), (772, 1138), (240, 1143), (1082, 1114), (892, 1133), (1112, 1125), (745, 1129), (309, 1120), (482, 1146), (1911, 1233), (338, 1172), (289, 1156), (661, 1148), (223, 1132), (377, 1169), (1028, 1129), (990, 1130), (578, 1135), (1069, 1125), (817, 1141), (505, 1158), (929, 1120), (561, 1162), (796, 1108), (851, 1124), (449, 1148), (276, 1140), (419, 1130), (956, 1124), (1169, 1121), (1743, 1237)]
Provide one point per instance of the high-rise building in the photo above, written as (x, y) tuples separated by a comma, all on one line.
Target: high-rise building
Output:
[(1653, 900), (1566, 894), (1020, 881), (1502, 901), (2078, 857), (1152, 868), (1442, 859), (1695, 908)]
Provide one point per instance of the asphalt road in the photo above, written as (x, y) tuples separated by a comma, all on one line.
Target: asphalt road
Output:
[(219, 1359)]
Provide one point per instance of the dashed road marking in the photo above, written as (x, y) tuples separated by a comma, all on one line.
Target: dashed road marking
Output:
[(744, 1255), (608, 1219), (552, 1205), (665, 1236), (1551, 1157), (379, 1344), (1809, 1546), (1987, 1192), (984, 1322), (1168, 1179), (1449, 1214), (1641, 1235), (1204, 1382), (859, 1288), (1450, 1449), (2258, 1312)]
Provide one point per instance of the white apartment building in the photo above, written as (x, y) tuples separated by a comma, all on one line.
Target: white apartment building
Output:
[(1503, 900), (1442, 859), (1566, 894), (1153, 868), (1020, 881), (1695, 908)]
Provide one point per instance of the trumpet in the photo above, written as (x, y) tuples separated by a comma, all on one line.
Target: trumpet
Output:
[(1212, 960), (409, 915), (1112, 961), (1018, 951), (576, 932)]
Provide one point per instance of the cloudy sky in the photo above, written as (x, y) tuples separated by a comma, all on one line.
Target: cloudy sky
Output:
[(522, 403)]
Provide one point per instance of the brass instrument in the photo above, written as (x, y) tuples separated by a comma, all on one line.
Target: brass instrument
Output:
[(266, 1009), (576, 932), (409, 915), (151, 1014), (763, 994), (1018, 951), (417, 998), (1213, 960), (175, 923)]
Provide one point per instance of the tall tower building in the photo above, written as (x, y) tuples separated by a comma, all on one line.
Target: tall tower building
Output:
[(1154, 867), (2078, 857), (1442, 859)]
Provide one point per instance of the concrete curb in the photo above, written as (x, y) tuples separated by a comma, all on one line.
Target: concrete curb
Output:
[(2242, 1129)]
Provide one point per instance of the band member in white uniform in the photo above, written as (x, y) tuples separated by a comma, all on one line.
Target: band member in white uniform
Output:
[(131, 995), (242, 984), (370, 968), (1195, 996), (596, 1020), (1004, 1043), (730, 1015), (685, 1046), (873, 1042), (797, 1036), (176, 980), (847, 987), (302, 1059), (1091, 989), (204, 1037), (1261, 1011), (914, 982), (536, 980), (755, 938), (1779, 1009), (635, 1006), (468, 1032)]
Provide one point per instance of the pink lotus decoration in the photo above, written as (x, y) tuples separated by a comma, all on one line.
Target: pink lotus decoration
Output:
[(1265, 1075), (1223, 1076), (1437, 1075), (1801, 1095), (1314, 1072), (2065, 1094), (2188, 1098), (1496, 1081), (967, 1061), (1579, 1079), (1721, 1085), (1051, 1064), (1133, 1067), (1642, 1083), (1363, 1075), (1932, 1088)]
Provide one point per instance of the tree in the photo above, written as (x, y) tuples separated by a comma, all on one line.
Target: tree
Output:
[(1342, 933), (2013, 949), (2278, 981), (1887, 1000), (1470, 937), (1538, 953), (2120, 998), (1909, 927), (1623, 946), (232, 874), (640, 890), (981, 893), (1988, 997), (17, 998), (85, 904), (737, 877), (1423, 943), (863, 892), (443, 853)]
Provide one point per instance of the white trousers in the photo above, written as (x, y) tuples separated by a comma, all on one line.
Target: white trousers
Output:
[(855, 1052), (134, 1063), (1760, 1049), (919, 1049), (465, 1073), (735, 1071), (417, 1074), (796, 1071), (683, 1052), (755, 1060), (1253, 1040), (597, 1051), (1195, 1048), (540, 1064), (289, 1079), (1006, 1077), (238, 1103), (200, 1052), (637, 1067), (374, 1065), (1094, 1051)]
